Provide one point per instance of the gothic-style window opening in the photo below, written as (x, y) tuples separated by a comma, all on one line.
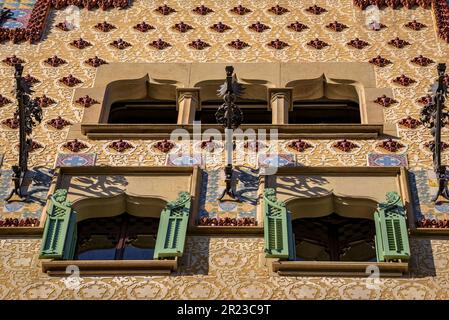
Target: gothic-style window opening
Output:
[(143, 112), (325, 111)]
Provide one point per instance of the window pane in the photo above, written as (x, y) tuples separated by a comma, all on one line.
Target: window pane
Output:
[(97, 247), (141, 248)]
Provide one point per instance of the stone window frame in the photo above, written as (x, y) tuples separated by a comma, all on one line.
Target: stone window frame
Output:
[(269, 81), (117, 267), (345, 268)]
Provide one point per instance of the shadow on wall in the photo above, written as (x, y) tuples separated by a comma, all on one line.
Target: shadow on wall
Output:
[(422, 263), (304, 186), (99, 186), (195, 260)]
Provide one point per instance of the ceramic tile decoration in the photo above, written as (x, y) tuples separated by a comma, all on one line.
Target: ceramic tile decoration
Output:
[(75, 159), (179, 159), (387, 160)]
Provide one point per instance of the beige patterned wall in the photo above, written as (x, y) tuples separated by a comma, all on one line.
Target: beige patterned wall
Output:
[(224, 267)]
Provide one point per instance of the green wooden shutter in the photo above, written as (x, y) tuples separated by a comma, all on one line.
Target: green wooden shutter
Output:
[(279, 242), (59, 239), (391, 230), (171, 234)]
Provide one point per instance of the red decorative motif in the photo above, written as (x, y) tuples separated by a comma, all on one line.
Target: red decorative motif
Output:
[(58, 123), (345, 145), (254, 145), (410, 123), (258, 27), (363, 4), (55, 61), (143, 27), (16, 222), (34, 146), (358, 43), (120, 44), (441, 11), (202, 10), (278, 44), (398, 43), (430, 145), (316, 10), (12, 123), (425, 99), (299, 145), (64, 26), (86, 101), (75, 145), (422, 61), (12, 60), (164, 145), (105, 26), (228, 222), (95, 62), (238, 44), (199, 44), (165, 10), (278, 10), (30, 80), (376, 26), (220, 27), (297, 26), (432, 223), (44, 101), (317, 44), (415, 25), (182, 27), (4, 101), (403, 80), (385, 101), (380, 61), (209, 145), (160, 44), (80, 43), (120, 145), (446, 80), (337, 26), (240, 10), (70, 80), (390, 145)]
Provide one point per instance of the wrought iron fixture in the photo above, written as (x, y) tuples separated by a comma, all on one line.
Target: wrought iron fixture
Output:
[(29, 114), (230, 116), (5, 14), (435, 116)]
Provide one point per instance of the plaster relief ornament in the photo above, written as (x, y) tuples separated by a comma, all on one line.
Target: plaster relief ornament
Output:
[(380, 61), (199, 44), (75, 145), (358, 43), (70, 80), (120, 145), (30, 80), (425, 99), (299, 145), (160, 44), (238, 44), (202, 10), (390, 145), (297, 26), (120, 44), (182, 27), (409, 122), (80, 43), (64, 26), (398, 43), (258, 27), (209, 145), (385, 101), (403, 80), (165, 10), (58, 123), (337, 26), (12, 123), (415, 25), (4, 101), (22, 222), (278, 44), (431, 145), (240, 10), (228, 222), (164, 146), (143, 27), (55, 61), (422, 61), (316, 10), (317, 44), (13, 60), (278, 10), (86, 101), (33, 145), (254, 145), (220, 27), (432, 223), (95, 62), (345, 145), (44, 101), (105, 26)]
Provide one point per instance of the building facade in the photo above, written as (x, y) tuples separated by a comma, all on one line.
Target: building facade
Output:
[(332, 163)]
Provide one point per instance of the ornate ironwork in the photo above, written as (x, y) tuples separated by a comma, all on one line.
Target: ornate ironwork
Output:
[(29, 115), (433, 115), (230, 116)]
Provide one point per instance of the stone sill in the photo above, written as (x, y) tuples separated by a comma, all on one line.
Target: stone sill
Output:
[(338, 268), (242, 230), (110, 267), (21, 231), (430, 231)]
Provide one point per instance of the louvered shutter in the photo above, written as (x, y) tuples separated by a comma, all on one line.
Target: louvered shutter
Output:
[(391, 230), (278, 234), (172, 229), (59, 238)]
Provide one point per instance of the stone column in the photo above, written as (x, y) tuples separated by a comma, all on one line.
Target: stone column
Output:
[(187, 104), (280, 104)]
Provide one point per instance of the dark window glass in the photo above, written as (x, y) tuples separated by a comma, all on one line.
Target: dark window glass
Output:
[(253, 112), (142, 112), (334, 238), (124, 237), (324, 111)]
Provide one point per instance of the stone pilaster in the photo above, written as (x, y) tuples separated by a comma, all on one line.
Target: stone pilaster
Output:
[(280, 104), (187, 103)]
